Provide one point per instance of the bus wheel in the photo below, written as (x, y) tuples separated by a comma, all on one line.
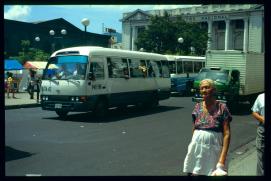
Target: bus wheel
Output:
[(154, 101), (62, 114), (100, 108)]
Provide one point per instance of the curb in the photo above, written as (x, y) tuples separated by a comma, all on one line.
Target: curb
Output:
[(22, 106)]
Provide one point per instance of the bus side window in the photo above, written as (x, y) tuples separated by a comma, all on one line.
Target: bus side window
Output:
[(165, 70), (135, 68), (197, 66), (118, 68), (125, 68), (188, 67), (143, 68), (97, 70), (109, 67), (179, 67), (172, 67), (157, 68), (150, 69)]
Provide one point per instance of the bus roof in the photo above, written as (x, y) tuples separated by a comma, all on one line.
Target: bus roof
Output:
[(182, 57), (95, 50)]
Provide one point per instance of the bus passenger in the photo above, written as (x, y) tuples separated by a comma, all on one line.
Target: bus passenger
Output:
[(143, 68)]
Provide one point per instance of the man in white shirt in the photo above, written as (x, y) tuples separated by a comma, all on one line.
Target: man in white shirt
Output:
[(258, 114)]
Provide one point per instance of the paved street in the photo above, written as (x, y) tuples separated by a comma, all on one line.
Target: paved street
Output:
[(130, 142)]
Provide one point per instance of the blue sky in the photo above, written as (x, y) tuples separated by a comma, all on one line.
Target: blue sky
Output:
[(109, 15)]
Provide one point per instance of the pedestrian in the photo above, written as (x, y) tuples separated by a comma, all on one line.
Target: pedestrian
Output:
[(207, 151), (31, 83), (258, 113), (37, 87), (10, 85)]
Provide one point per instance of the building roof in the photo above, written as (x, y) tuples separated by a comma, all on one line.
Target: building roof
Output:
[(129, 15)]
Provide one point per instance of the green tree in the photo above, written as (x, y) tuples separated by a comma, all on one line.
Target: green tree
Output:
[(30, 54), (163, 32)]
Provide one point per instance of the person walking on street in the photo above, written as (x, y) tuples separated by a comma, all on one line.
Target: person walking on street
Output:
[(258, 113), (207, 151), (10, 85), (31, 83), (37, 87)]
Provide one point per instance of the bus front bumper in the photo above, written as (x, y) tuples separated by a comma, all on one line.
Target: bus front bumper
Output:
[(66, 106)]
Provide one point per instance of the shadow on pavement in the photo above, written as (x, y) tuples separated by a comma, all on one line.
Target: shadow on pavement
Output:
[(115, 114), (13, 154)]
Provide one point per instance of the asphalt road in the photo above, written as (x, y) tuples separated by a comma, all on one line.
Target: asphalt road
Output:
[(128, 142)]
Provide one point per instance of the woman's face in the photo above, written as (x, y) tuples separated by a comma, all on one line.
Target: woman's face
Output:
[(206, 90)]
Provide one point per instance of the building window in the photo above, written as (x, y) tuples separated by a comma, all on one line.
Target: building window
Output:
[(239, 24), (140, 29), (221, 25)]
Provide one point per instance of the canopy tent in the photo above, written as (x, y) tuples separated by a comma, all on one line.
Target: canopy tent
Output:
[(13, 65), (38, 65)]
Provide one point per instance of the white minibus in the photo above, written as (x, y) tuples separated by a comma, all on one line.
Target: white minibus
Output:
[(95, 78), (183, 70)]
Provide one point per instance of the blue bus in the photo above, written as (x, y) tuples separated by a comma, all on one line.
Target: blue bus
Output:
[(183, 70)]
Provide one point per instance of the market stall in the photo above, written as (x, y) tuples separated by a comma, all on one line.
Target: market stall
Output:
[(14, 67)]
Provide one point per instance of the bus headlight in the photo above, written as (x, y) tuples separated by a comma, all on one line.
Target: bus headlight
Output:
[(76, 99), (44, 98)]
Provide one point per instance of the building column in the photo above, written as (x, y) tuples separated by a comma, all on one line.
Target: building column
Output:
[(245, 35), (133, 37), (209, 42), (227, 34)]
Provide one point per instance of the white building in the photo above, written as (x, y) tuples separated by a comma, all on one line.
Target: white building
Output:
[(230, 26)]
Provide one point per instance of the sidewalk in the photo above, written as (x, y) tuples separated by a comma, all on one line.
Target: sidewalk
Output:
[(242, 162), (22, 100)]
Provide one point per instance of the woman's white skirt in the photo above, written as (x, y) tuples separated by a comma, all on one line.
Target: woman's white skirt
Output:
[(203, 152)]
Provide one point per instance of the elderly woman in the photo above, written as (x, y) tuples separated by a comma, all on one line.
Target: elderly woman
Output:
[(208, 148)]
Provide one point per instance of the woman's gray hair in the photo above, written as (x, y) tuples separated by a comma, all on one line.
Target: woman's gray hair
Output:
[(210, 82)]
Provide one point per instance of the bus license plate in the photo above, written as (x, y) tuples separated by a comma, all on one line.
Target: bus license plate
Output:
[(58, 106)]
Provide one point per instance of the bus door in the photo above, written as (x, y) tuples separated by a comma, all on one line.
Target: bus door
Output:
[(119, 84), (96, 77), (162, 76)]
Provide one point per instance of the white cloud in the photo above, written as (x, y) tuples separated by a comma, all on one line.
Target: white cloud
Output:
[(17, 12)]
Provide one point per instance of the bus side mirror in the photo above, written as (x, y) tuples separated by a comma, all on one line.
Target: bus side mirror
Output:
[(91, 76)]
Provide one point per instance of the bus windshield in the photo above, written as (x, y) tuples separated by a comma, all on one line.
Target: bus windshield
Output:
[(216, 75), (66, 67)]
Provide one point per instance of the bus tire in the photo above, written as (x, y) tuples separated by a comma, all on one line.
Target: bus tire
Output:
[(101, 108), (155, 101), (62, 114)]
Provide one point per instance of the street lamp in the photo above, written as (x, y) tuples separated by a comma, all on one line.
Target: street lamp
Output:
[(180, 41), (85, 22), (37, 39), (52, 33)]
